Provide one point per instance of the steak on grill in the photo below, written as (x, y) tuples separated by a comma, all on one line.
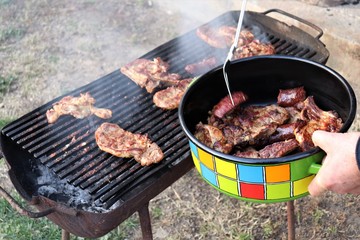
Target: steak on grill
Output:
[(201, 67), (150, 74), (254, 48), (170, 97), (115, 140), (79, 107), (223, 36)]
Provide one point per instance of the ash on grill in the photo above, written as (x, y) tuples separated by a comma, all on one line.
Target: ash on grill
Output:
[(51, 186)]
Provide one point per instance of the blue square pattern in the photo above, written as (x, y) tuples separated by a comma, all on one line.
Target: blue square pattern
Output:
[(251, 174), (209, 175), (194, 149)]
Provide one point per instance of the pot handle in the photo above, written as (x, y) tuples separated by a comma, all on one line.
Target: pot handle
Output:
[(298, 19), (22, 210), (314, 168)]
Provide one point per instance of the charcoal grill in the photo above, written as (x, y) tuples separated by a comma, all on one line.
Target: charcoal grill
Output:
[(115, 188)]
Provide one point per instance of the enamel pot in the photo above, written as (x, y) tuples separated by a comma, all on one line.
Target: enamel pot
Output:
[(263, 180)]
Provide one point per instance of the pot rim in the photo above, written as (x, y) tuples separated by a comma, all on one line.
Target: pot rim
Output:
[(289, 158)]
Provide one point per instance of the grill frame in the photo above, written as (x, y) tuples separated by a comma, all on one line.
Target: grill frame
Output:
[(22, 150)]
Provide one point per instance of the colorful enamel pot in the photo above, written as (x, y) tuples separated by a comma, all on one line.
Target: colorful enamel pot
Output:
[(263, 180)]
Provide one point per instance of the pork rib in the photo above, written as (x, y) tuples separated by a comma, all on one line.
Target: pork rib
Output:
[(313, 118), (79, 107), (118, 142)]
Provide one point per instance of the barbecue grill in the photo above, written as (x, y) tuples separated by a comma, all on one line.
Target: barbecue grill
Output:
[(59, 169)]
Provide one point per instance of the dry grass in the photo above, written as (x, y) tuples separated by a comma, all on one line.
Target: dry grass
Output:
[(48, 48)]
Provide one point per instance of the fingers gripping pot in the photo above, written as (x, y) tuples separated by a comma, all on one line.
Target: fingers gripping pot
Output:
[(263, 180)]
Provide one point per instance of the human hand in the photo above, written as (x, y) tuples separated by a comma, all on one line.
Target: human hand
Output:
[(339, 171)]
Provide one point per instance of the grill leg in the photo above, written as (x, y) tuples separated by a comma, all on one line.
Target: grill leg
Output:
[(291, 220), (65, 235), (145, 222)]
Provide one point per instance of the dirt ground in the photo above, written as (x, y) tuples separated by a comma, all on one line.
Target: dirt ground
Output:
[(51, 47)]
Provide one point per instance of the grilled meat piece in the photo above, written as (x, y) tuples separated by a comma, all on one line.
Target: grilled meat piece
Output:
[(223, 36), (253, 124), (79, 107), (212, 137), (290, 97), (275, 150), (314, 118), (201, 67), (279, 149), (150, 74), (283, 132), (294, 113), (249, 152), (118, 142), (225, 106), (170, 97), (255, 48)]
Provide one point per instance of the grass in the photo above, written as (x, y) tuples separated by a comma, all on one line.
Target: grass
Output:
[(5, 83), (14, 226), (11, 34), (4, 122)]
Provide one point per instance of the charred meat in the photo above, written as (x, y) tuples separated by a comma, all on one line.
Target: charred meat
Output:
[(118, 142), (79, 107), (150, 74)]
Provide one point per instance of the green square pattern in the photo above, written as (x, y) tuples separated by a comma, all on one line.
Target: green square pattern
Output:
[(278, 191)]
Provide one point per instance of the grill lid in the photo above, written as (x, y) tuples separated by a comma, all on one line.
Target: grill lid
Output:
[(62, 160)]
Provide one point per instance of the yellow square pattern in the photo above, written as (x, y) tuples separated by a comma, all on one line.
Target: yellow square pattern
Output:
[(206, 159), (225, 168), (301, 186)]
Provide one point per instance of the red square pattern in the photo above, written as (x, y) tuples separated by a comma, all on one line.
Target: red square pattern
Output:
[(255, 191)]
